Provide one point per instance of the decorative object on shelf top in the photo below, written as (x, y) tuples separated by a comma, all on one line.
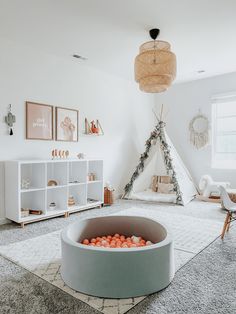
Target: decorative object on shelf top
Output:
[(94, 129), (52, 183), (81, 156), (155, 66), (61, 154), (10, 119), (71, 200), (199, 131), (25, 184)]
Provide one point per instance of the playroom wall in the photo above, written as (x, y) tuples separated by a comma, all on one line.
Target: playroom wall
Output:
[(182, 102), (124, 112)]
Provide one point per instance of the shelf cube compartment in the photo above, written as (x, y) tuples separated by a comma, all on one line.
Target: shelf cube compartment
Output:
[(78, 193), (32, 176), (77, 171), (95, 192), (57, 171), (58, 197), (34, 200), (95, 167)]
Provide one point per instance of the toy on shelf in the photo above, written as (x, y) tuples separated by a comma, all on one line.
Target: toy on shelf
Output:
[(25, 184), (71, 200), (210, 187), (94, 129), (52, 183), (25, 212), (52, 206), (91, 176), (61, 154)]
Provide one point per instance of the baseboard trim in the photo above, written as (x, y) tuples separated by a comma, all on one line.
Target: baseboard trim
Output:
[(4, 221)]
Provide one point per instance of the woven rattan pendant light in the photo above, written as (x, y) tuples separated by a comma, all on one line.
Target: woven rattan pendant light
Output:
[(155, 66)]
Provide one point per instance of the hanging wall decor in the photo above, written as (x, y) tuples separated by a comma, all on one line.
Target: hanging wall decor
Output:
[(67, 124), (93, 128), (10, 119), (199, 131), (39, 121)]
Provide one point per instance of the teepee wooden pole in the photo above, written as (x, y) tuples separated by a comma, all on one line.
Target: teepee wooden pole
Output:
[(161, 112), (155, 115)]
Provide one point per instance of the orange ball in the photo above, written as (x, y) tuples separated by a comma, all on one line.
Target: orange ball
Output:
[(98, 239), (93, 240), (128, 239), (109, 237), (104, 237), (117, 235), (112, 245), (122, 238), (86, 241), (124, 245), (98, 244)]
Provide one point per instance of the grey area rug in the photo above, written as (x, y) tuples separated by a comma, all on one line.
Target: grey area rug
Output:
[(205, 285)]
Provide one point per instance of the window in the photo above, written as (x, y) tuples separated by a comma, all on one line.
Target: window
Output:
[(224, 132)]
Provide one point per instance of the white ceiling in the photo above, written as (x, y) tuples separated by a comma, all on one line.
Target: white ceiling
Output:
[(109, 32)]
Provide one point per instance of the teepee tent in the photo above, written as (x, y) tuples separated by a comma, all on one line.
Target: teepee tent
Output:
[(160, 158)]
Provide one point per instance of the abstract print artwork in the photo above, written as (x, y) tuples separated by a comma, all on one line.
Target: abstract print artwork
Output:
[(66, 124)]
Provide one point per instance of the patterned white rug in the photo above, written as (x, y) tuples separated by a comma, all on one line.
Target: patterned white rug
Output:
[(42, 255)]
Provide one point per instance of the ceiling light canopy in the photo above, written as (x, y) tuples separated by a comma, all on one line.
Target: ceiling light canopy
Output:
[(155, 66)]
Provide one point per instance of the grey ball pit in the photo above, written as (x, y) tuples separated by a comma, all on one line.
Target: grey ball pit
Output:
[(117, 273)]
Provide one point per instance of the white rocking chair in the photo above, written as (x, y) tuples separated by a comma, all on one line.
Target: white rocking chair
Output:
[(230, 207)]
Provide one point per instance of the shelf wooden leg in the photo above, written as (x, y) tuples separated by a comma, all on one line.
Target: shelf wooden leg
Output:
[(66, 215), (22, 225)]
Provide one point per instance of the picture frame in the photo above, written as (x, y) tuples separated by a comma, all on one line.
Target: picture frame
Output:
[(67, 124), (39, 121)]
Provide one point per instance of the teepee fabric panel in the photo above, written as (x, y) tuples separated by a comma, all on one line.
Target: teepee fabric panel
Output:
[(184, 179), (154, 165)]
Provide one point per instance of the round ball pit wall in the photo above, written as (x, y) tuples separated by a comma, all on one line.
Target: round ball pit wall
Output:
[(117, 273)]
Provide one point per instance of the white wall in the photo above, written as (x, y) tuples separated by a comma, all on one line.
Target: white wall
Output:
[(182, 102), (124, 112)]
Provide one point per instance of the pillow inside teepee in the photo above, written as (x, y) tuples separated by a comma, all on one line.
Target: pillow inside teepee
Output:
[(165, 188), (156, 180)]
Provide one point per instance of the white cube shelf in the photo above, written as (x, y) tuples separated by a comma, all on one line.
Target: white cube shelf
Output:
[(71, 177)]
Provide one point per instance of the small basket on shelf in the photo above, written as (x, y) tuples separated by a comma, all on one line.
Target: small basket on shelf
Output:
[(108, 195)]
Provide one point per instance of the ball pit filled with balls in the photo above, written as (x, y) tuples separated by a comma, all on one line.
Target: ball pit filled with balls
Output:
[(116, 241), (117, 256)]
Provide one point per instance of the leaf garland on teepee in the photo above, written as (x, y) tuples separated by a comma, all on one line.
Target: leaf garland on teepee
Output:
[(157, 133)]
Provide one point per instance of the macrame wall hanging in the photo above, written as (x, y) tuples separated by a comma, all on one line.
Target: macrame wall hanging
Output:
[(199, 131)]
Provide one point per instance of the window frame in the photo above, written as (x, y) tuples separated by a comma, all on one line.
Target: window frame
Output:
[(224, 163)]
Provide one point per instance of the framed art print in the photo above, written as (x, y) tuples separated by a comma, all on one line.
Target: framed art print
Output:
[(67, 124), (39, 121)]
